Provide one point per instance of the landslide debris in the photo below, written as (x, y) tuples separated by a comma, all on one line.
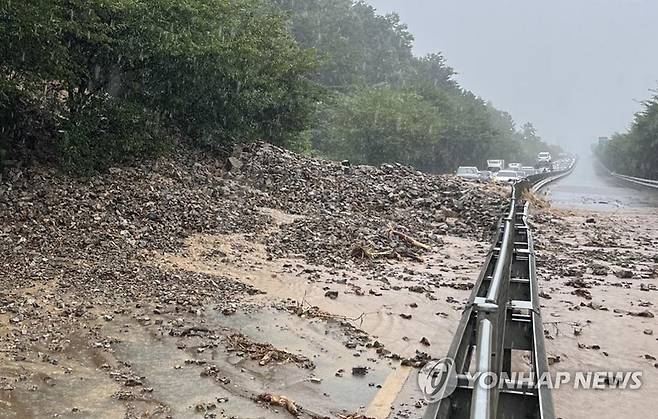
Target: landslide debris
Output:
[(86, 233), (363, 211), (78, 254), (265, 353)]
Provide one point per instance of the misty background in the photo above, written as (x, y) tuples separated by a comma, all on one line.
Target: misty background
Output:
[(575, 69)]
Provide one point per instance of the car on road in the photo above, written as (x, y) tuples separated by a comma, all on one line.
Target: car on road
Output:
[(529, 171), (544, 160), (514, 166), (544, 156), (486, 175), (468, 172), (507, 176), (495, 165)]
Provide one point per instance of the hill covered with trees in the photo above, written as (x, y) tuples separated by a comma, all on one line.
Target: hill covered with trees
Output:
[(386, 104), (89, 84), (635, 152)]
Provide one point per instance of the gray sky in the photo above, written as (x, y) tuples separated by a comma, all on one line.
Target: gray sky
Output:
[(574, 68)]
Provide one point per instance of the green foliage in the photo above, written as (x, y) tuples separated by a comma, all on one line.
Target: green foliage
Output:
[(375, 125), (391, 106), (24, 123), (125, 73), (359, 47), (383, 124), (228, 72), (91, 83), (90, 142), (635, 152)]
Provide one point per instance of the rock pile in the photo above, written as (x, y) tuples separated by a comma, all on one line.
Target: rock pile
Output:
[(347, 208), (92, 236), (91, 233)]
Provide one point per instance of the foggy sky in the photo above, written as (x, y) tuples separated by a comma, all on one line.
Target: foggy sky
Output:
[(574, 68)]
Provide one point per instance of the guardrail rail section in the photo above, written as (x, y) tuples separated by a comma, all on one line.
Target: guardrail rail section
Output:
[(649, 183), (637, 180), (501, 333)]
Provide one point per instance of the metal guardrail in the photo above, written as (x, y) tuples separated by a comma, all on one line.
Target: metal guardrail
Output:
[(650, 183), (501, 322), (540, 180), (636, 180)]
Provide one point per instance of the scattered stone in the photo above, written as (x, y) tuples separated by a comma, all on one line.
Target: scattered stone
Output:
[(359, 370), (624, 274), (331, 294), (645, 313), (553, 359), (581, 292)]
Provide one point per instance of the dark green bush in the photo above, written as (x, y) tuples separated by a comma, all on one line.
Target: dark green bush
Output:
[(26, 123), (114, 72), (107, 132)]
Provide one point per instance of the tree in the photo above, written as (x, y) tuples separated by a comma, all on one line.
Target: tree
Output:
[(377, 125), (216, 72), (377, 84), (634, 152)]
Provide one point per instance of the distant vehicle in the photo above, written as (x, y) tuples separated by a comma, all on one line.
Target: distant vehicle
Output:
[(495, 165), (544, 156), (529, 171), (486, 175), (468, 172), (544, 160), (507, 176), (514, 166)]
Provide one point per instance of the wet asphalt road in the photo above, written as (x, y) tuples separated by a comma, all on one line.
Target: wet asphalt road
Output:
[(590, 188)]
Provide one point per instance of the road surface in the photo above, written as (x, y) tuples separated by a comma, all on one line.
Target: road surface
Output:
[(587, 188)]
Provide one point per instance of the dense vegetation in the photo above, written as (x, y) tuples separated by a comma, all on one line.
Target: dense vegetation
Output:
[(386, 104), (635, 152), (91, 83)]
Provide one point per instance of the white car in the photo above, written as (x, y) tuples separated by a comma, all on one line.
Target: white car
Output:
[(544, 156), (468, 172), (507, 176), (528, 170), (495, 165), (514, 166)]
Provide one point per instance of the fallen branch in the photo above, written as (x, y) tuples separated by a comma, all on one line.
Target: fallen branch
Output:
[(365, 253), (408, 239), (280, 401)]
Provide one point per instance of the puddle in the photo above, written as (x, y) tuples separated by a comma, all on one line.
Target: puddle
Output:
[(324, 345), (181, 387), (45, 390)]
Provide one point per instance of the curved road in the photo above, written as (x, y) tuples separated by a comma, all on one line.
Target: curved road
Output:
[(591, 189)]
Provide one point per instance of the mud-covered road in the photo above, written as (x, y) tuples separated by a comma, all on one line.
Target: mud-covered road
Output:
[(267, 285), (597, 248), (270, 285)]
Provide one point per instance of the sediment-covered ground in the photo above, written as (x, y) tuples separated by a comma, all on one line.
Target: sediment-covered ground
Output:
[(265, 285), (598, 277)]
